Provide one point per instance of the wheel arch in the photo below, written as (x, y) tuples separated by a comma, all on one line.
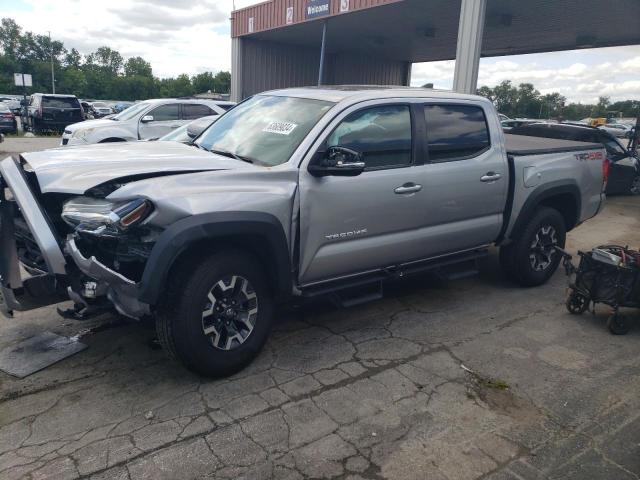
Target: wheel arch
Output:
[(259, 233), (563, 196)]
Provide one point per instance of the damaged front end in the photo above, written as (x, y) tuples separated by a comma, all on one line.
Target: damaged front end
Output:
[(83, 248), (110, 247)]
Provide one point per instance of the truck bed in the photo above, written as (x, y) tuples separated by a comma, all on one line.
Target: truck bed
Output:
[(525, 145)]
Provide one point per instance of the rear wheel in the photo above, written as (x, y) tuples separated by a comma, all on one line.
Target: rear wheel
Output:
[(617, 325), (219, 314), (532, 259)]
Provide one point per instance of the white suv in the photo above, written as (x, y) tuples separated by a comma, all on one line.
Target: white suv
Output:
[(143, 121)]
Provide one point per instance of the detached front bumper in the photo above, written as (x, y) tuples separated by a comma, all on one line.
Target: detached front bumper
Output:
[(89, 282), (121, 291)]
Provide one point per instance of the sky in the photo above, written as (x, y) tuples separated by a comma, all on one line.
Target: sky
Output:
[(192, 36)]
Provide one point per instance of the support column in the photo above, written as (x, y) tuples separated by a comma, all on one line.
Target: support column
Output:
[(236, 69), (322, 49), (470, 31)]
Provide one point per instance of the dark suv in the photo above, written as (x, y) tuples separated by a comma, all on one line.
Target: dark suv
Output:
[(47, 112)]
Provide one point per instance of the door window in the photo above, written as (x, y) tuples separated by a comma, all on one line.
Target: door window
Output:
[(381, 134), (191, 111), (166, 113), (455, 132)]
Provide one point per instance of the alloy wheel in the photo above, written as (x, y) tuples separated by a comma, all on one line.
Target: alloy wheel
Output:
[(543, 248), (230, 313)]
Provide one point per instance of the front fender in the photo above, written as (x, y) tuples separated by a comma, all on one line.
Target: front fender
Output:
[(216, 226)]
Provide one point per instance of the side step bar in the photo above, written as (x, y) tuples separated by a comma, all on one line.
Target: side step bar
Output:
[(369, 286)]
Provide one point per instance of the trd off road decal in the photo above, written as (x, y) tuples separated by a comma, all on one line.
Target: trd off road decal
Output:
[(583, 157)]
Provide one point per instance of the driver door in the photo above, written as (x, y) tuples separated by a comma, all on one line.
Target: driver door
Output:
[(351, 225), (159, 121)]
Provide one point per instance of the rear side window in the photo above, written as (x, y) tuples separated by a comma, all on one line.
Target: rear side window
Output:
[(60, 102), (166, 113), (455, 132), (226, 107), (192, 111), (381, 134)]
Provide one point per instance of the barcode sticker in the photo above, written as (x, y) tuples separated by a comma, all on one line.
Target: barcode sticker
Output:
[(281, 128)]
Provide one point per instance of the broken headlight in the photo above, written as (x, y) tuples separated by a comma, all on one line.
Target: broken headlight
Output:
[(99, 216)]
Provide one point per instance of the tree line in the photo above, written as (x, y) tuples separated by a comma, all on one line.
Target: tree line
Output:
[(104, 74), (525, 101)]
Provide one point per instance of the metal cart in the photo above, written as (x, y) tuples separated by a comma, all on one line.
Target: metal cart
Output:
[(609, 274)]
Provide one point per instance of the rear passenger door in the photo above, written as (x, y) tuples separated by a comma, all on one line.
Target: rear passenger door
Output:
[(465, 178), (193, 111)]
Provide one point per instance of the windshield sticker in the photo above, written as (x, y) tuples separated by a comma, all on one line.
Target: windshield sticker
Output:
[(281, 128)]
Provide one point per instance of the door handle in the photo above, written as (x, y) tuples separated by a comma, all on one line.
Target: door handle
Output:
[(490, 177), (408, 188)]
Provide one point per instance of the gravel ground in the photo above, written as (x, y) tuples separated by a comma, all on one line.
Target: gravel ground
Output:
[(376, 391)]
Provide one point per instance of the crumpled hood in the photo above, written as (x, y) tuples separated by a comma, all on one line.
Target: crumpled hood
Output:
[(77, 169)]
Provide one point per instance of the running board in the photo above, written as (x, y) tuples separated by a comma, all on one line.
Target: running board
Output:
[(439, 265), (347, 298)]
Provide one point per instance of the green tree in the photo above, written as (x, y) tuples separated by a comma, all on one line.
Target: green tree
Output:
[(137, 66), (223, 82), (72, 59)]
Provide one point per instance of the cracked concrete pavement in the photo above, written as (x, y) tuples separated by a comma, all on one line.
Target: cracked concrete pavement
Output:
[(372, 392)]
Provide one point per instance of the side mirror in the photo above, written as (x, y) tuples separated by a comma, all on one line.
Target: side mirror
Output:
[(338, 161), (194, 131), (147, 119)]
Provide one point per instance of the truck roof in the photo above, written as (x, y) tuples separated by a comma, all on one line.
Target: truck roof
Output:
[(339, 93)]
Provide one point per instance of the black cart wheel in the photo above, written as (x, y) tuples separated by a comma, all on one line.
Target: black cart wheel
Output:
[(635, 186), (617, 325), (577, 303)]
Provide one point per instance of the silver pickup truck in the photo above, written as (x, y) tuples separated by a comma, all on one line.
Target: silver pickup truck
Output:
[(298, 192)]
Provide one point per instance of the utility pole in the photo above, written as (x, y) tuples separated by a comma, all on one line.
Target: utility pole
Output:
[(53, 77)]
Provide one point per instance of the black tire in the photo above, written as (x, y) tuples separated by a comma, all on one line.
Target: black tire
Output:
[(577, 303), (547, 228), (617, 325), (635, 186), (179, 322)]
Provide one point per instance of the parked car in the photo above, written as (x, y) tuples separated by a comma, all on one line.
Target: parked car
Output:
[(142, 121), (12, 103), (624, 175), (299, 192), (186, 133), (503, 117), (49, 112), (100, 109), (120, 106), (8, 123), (619, 130)]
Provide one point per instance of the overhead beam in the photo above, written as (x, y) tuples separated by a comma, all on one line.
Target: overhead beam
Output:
[(470, 32)]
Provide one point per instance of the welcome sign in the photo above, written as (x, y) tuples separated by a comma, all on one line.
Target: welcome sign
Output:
[(317, 8)]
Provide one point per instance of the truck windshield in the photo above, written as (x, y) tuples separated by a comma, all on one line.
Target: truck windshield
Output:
[(265, 130)]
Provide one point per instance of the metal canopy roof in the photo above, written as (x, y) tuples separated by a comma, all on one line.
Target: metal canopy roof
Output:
[(426, 30)]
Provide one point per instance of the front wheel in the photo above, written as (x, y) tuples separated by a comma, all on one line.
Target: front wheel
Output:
[(533, 258), (219, 314)]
